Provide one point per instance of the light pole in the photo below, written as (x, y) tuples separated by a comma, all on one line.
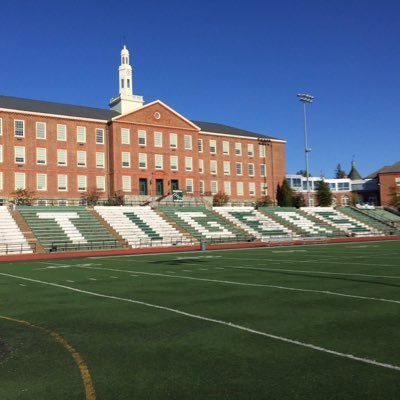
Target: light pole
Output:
[(306, 98)]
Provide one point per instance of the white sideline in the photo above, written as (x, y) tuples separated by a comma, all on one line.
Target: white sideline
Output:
[(220, 322), (245, 284)]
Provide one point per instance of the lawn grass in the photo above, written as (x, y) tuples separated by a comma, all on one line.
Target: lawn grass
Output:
[(206, 325)]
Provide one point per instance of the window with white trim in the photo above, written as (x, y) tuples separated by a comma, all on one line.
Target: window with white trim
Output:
[(125, 136), (227, 188), (157, 139), (188, 164), (62, 181), (201, 166), (101, 183), (126, 183), (174, 163), (252, 189), (126, 159), (261, 148), (142, 138), (19, 154), (238, 168), (227, 168), (61, 132), (214, 187), (81, 158), (1, 126), (41, 182), (158, 161), (201, 187), (250, 168), (1, 181), (397, 181), (200, 145), (82, 183), (41, 156), (1, 153), (173, 140), (61, 157), (19, 180), (19, 128), (100, 159), (188, 142), (239, 188), (238, 149), (99, 136), (250, 149), (225, 147), (264, 188), (189, 185), (263, 170), (40, 130), (213, 166), (81, 134), (142, 160), (213, 146)]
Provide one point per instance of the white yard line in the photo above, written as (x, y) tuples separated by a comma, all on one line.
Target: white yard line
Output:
[(327, 292), (219, 322)]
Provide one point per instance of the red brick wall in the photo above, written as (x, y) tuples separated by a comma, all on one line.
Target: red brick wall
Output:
[(387, 181)]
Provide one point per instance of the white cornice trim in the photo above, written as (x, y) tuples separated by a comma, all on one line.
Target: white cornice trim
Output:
[(242, 137)]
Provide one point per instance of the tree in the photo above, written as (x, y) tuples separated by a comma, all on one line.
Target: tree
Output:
[(339, 173), (284, 194), (298, 201), (303, 172), (264, 201), (23, 197), (394, 194), (91, 196), (220, 199), (323, 194), (117, 199)]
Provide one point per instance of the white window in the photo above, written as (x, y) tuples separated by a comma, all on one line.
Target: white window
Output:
[(19, 180), (251, 169), (19, 154), (261, 149), (61, 157), (142, 160), (188, 164), (99, 136), (126, 159), (263, 170), (238, 149), (213, 146), (188, 142), (125, 136), (238, 168), (142, 138), (19, 128), (225, 147), (81, 134), (173, 140), (81, 158), (264, 188), (99, 160), (40, 130), (41, 155), (250, 149), (174, 163), (41, 182), (213, 166), (1, 153), (82, 183), (126, 183), (397, 181), (101, 183), (239, 188), (1, 126), (227, 188), (189, 185), (159, 161), (201, 166), (252, 189), (61, 132), (157, 139), (227, 168), (201, 187), (1, 181), (214, 187), (200, 145), (62, 183)]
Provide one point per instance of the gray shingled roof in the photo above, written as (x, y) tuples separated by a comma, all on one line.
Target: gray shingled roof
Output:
[(386, 169), (46, 107)]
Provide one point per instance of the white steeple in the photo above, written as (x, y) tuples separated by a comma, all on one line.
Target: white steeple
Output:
[(125, 102)]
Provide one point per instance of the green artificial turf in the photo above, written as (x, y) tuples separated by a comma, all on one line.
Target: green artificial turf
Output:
[(206, 325)]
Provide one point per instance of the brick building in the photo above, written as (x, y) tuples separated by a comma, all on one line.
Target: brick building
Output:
[(62, 151)]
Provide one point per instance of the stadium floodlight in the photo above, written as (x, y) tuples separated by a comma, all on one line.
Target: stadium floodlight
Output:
[(306, 99)]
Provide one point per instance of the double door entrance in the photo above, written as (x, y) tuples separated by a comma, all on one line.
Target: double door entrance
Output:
[(159, 186)]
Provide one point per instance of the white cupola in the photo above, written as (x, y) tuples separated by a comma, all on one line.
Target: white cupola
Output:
[(125, 102)]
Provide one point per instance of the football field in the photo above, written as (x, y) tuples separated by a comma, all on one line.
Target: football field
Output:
[(300, 322)]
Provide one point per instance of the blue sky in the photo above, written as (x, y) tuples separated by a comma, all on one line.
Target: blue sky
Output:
[(235, 62)]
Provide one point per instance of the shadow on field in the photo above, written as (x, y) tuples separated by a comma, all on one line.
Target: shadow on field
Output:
[(179, 262)]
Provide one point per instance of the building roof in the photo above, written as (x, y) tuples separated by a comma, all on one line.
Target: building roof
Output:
[(386, 170), (46, 107), (354, 174)]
